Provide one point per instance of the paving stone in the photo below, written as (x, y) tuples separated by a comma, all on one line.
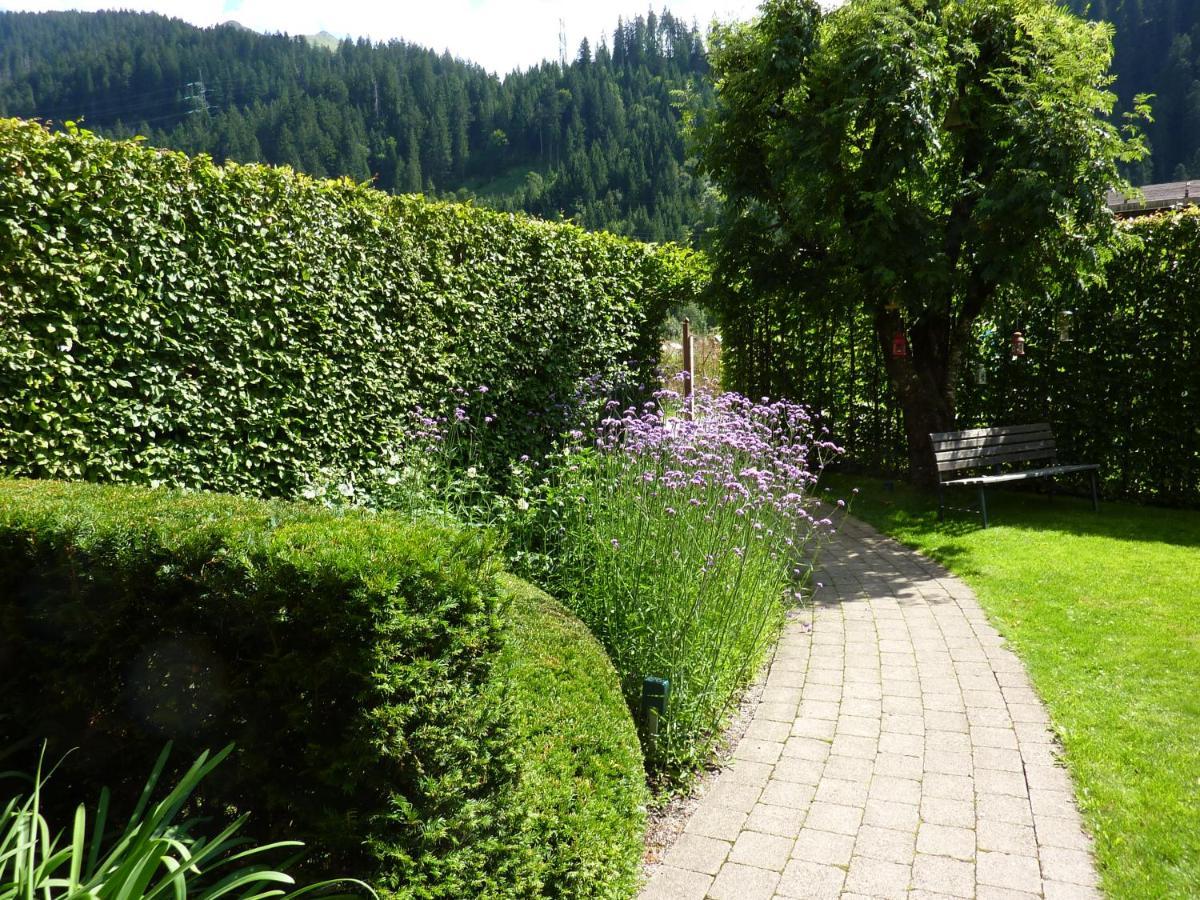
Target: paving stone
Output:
[(764, 851), (789, 695), (1058, 890), (903, 706), (1071, 866), (834, 817), (944, 702), (746, 771), (886, 814), (759, 751), (1048, 778), (824, 693), (898, 765), (1005, 837), (952, 787), (859, 726), (733, 794), (945, 721), (1020, 873), (1002, 758), (769, 819), (849, 768), (1051, 803), (811, 881), (846, 793), (989, 892), (994, 781), (898, 790), (944, 875), (818, 709), (669, 883), (985, 716), (806, 748), (697, 853), (885, 843), (738, 882), (1003, 738), (903, 744), (863, 691), (1004, 809), (814, 728), (823, 847), (900, 724), (803, 771), (768, 730), (716, 822), (949, 741), (1056, 832), (778, 712), (878, 878), (940, 811), (946, 840), (790, 794)]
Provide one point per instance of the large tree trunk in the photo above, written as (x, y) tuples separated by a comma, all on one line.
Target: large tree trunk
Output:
[(923, 380)]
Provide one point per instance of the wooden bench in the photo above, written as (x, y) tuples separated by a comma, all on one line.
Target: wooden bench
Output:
[(997, 449)]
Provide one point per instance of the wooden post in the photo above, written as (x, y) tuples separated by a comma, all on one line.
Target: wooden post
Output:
[(688, 373)]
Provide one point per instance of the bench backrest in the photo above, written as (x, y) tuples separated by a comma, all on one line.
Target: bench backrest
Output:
[(977, 447)]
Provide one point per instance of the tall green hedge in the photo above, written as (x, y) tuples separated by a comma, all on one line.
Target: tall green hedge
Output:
[(164, 320), (1123, 392), (346, 654)]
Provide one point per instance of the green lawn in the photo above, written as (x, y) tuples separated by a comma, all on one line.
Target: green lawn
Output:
[(1105, 611)]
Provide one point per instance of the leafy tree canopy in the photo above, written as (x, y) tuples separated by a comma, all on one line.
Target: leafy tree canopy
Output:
[(916, 156)]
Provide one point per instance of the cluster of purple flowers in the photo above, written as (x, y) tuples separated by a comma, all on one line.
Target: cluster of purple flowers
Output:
[(757, 458)]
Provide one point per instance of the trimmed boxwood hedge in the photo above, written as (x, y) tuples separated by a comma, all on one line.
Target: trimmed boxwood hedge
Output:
[(361, 663), (165, 320), (581, 789)]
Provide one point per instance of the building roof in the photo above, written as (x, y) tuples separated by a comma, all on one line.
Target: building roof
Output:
[(1155, 197)]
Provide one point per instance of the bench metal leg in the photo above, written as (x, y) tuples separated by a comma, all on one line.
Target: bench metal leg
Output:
[(983, 506), (941, 504), (1095, 495)]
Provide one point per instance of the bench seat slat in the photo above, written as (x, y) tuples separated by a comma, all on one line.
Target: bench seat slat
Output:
[(1002, 440), (986, 454), (1019, 476), (987, 432), (954, 465)]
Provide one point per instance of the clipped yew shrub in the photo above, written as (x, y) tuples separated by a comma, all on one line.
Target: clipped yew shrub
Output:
[(394, 706), (165, 320), (581, 786)]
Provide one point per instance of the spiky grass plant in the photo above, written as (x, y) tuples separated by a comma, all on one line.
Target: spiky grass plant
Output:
[(155, 855)]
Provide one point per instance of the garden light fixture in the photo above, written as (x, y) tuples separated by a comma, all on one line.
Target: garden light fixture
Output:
[(1065, 319), (655, 692), (1018, 344)]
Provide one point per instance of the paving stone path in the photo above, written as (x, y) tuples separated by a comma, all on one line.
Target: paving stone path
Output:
[(899, 751)]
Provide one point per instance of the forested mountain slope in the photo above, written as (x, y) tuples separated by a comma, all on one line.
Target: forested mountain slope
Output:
[(597, 140), (1158, 52)]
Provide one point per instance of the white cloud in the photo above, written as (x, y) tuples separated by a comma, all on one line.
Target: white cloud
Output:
[(499, 34)]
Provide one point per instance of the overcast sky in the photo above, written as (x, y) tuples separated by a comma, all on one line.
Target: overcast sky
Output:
[(500, 35)]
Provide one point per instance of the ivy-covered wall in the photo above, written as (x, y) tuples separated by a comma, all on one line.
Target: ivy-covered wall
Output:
[(164, 320)]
